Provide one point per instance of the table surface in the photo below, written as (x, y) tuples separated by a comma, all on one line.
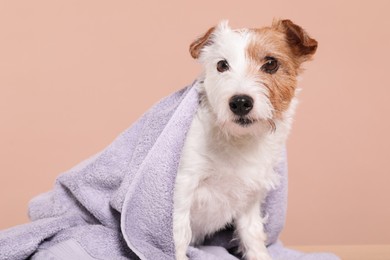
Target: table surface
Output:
[(351, 252)]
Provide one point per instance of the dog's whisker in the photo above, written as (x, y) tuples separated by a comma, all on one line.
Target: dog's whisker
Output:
[(272, 125)]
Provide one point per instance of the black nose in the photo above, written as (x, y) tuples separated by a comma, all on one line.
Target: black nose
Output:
[(241, 105)]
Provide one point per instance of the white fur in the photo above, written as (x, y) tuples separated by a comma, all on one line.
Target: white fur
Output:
[(227, 169)]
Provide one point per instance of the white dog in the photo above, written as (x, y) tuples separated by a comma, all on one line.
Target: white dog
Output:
[(236, 138)]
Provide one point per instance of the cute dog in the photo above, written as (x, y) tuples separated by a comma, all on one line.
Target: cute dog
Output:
[(247, 101)]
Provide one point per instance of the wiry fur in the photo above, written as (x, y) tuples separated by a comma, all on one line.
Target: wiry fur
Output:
[(227, 168)]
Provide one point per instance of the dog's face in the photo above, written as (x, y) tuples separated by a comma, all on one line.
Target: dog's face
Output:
[(250, 74)]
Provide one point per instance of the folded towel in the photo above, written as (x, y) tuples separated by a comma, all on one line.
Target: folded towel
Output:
[(118, 204)]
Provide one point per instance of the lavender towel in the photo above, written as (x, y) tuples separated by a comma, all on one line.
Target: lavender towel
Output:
[(118, 204)]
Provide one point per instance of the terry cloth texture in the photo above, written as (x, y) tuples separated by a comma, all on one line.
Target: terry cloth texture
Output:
[(118, 204)]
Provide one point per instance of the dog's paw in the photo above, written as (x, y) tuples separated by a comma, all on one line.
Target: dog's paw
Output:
[(258, 256), (182, 257)]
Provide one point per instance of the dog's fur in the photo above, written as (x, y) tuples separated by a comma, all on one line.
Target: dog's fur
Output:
[(228, 160)]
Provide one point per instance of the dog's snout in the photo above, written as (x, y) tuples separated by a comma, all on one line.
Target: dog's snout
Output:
[(241, 105)]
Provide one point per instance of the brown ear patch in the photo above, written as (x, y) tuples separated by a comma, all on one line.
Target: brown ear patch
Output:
[(198, 44), (300, 42)]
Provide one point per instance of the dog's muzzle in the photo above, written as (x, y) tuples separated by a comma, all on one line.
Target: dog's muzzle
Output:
[(241, 105)]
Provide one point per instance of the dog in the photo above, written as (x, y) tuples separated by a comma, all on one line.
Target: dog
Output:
[(247, 100)]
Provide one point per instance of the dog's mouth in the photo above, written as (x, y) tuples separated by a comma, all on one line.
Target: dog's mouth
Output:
[(244, 121)]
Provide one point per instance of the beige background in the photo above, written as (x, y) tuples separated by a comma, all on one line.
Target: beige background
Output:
[(74, 74)]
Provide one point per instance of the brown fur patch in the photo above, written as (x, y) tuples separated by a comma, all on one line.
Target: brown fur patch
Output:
[(290, 46), (198, 44)]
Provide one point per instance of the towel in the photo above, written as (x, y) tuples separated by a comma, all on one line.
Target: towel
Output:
[(118, 204)]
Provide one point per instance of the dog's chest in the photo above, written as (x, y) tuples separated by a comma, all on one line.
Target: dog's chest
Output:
[(231, 176), (227, 185)]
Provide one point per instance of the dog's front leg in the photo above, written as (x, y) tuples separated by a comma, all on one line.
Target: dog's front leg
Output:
[(184, 192), (250, 230)]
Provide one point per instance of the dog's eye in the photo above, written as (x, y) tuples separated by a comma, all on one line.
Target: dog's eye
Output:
[(271, 65), (222, 66)]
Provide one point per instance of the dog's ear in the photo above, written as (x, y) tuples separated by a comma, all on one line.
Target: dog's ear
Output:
[(301, 44), (198, 44)]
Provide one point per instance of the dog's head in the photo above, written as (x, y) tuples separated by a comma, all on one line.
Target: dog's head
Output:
[(250, 75)]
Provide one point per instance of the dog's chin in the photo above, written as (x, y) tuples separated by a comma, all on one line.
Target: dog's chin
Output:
[(240, 126), (244, 121), (247, 126)]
